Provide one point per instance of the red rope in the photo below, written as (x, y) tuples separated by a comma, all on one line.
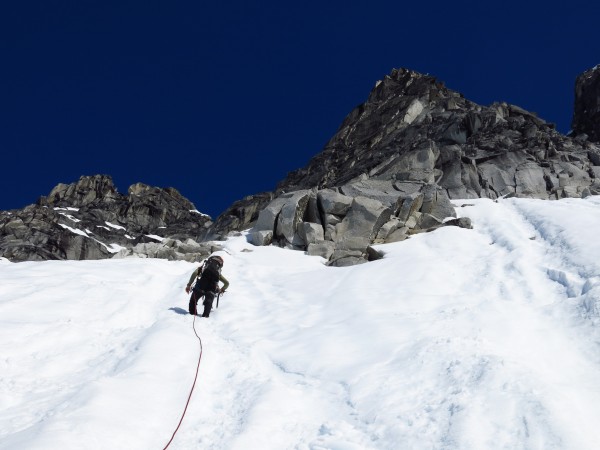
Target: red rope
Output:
[(193, 385)]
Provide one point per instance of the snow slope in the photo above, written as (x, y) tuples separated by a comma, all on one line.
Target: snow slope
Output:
[(457, 339)]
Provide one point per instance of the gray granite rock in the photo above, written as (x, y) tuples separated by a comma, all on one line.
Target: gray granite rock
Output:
[(397, 235), (90, 219), (408, 205), (311, 233), (324, 249), (267, 217), (586, 116), (260, 237), (364, 219), (291, 215), (333, 203)]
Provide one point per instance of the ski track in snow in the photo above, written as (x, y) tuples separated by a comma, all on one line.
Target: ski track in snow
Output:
[(457, 339)]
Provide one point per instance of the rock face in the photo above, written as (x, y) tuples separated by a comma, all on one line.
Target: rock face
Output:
[(341, 224), (240, 215), (399, 158), (586, 117), (89, 219), (413, 129)]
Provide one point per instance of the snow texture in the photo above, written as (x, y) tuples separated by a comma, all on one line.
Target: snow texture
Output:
[(73, 230), (112, 225), (456, 339)]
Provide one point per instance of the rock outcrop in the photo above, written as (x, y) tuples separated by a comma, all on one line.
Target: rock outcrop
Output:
[(586, 117), (89, 219), (399, 158), (341, 224), (413, 128)]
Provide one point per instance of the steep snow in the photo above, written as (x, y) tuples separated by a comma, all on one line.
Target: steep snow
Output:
[(457, 339)]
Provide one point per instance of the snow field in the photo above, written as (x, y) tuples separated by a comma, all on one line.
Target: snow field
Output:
[(457, 339)]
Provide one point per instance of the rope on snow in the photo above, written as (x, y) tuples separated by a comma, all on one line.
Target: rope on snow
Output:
[(193, 385)]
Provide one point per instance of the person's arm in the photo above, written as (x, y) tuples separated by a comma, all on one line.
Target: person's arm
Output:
[(225, 283), (192, 278)]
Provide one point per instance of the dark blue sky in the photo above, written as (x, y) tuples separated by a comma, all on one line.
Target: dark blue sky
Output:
[(221, 99)]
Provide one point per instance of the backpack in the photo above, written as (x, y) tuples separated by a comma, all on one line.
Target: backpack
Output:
[(211, 272)]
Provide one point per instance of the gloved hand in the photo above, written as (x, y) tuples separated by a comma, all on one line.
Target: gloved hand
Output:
[(187, 289), (222, 291)]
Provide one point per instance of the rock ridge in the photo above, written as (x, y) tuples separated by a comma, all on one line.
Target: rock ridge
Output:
[(586, 115), (90, 219), (412, 137)]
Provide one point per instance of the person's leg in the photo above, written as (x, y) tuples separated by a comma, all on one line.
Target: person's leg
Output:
[(193, 303), (196, 295), (208, 301)]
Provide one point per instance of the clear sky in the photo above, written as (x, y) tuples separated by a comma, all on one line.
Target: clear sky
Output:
[(222, 99)]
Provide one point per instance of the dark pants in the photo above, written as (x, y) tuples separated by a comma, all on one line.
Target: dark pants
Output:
[(209, 297)]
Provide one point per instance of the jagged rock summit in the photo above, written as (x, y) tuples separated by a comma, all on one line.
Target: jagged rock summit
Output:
[(586, 117), (89, 219), (412, 147), (413, 128)]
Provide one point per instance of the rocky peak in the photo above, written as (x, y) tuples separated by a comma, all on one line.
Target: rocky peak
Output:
[(398, 160), (88, 190), (168, 197), (405, 111), (405, 82), (90, 219), (586, 116), (409, 114)]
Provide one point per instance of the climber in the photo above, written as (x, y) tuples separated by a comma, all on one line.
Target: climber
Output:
[(207, 278)]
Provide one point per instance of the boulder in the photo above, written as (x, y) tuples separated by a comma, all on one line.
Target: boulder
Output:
[(407, 206), (530, 181), (497, 182), (364, 219), (397, 235), (333, 203), (428, 221), (344, 258), (291, 215), (383, 191), (373, 254), (260, 238), (387, 228), (436, 203), (462, 222), (413, 220), (324, 249), (571, 175), (267, 217), (347, 242), (311, 233)]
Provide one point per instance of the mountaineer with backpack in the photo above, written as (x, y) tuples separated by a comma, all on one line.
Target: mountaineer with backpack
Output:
[(207, 278)]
